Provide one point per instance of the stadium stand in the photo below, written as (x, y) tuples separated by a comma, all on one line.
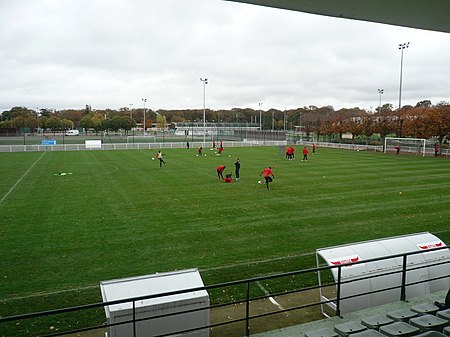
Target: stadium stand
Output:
[(421, 320), (420, 317)]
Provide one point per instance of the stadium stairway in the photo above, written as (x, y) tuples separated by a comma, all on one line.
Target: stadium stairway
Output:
[(418, 317)]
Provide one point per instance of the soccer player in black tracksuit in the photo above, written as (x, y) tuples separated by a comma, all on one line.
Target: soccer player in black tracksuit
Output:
[(237, 164)]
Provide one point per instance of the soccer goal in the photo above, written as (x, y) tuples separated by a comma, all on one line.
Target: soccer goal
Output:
[(409, 145), (141, 139)]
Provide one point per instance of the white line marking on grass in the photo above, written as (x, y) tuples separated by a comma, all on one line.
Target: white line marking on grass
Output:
[(255, 262), (20, 179), (270, 297), (46, 293)]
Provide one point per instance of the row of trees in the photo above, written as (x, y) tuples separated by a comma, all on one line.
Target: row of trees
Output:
[(30, 120), (430, 122), (423, 120)]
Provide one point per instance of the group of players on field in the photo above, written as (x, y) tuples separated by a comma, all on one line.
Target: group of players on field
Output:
[(267, 172)]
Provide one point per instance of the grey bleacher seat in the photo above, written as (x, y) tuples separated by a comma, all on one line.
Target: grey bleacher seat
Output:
[(349, 328), (445, 314), (399, 329), (402, 315), (447, 331), (429, 322), (374, 322), (369, 333), (324, 332), (431, 334), (425, 308)]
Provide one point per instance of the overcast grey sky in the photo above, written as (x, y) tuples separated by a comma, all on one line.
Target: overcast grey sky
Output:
[(62, 54)]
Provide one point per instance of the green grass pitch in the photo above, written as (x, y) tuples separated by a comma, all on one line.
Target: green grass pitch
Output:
[(117, 214)]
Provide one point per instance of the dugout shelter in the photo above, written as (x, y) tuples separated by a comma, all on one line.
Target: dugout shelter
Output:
[(170, 309), (433, 267)]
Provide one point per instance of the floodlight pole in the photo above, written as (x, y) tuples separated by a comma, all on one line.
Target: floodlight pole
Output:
[(205, 82), (401, 46), (260, 115), (273, 120), (144, 100), (131, 110), (380, 91), (300, 126)]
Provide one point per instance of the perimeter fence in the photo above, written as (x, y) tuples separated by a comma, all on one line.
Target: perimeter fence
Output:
[(197, 144), (132, 146)]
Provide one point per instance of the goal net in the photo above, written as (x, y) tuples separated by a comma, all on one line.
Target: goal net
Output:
[(409, 145), (141, 139)]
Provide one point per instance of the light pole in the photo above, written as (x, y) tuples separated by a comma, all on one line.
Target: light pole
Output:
[(273, 120), (300, 126), (144, 100), (260, 115), (205, 82), (380, 91), (401, 46), (131, 110)]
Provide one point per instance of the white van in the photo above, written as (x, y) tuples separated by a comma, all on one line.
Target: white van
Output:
[(72, 133)]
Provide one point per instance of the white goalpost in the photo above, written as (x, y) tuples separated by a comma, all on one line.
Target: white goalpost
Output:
[(410, 145)]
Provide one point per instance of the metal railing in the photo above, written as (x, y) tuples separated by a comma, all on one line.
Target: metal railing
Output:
[(133, 146), (246, 298), (180, 145)]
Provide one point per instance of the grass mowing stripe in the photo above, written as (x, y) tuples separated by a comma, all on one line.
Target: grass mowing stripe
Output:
[(120, 215)]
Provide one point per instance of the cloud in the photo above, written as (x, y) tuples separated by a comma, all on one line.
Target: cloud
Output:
[(68, 53)]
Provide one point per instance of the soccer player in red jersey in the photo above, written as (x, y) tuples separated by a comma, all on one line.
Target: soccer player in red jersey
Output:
[(290, 153), (228, 178), (220, 170), (305, 153), (267, 176)]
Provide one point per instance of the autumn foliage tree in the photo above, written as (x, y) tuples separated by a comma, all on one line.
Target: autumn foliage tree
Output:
[(423, 120)]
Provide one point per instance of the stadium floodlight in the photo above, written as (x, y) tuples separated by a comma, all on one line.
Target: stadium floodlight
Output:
[(260, 115), (381, 92), (144, 100), (401, 46), (205, 82), (273, 119)]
